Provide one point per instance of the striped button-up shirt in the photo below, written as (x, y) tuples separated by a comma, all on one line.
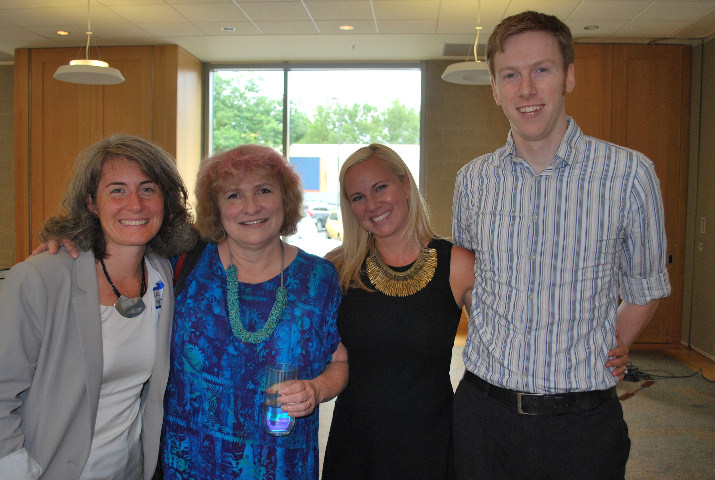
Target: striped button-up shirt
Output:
[(554, 251)]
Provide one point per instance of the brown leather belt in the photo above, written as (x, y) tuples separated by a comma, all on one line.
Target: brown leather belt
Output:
[(538, 404)]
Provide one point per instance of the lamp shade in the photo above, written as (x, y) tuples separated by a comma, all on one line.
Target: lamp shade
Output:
[(89, 72), (467, 73)]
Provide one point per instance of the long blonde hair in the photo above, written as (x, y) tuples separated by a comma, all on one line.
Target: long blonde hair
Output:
[(357, 242)]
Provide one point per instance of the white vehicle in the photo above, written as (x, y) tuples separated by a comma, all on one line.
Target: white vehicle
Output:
[(306, 233)]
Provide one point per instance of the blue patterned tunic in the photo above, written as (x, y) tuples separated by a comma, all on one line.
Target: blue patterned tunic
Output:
[(212, 424)]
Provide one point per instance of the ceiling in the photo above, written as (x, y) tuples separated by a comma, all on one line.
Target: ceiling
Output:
[(307, 30)]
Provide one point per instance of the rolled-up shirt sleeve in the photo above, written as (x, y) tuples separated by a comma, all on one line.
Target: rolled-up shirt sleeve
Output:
[(643, 272), (462, 223)]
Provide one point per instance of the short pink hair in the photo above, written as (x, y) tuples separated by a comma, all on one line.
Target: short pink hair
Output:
[(219, 172)]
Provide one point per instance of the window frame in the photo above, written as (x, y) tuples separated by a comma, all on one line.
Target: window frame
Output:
[(286, 67)]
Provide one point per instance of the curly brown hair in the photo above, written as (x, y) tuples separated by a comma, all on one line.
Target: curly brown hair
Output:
[(219, 172), (77, 223)]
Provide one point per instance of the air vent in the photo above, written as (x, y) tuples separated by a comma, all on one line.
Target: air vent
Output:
[(463, 50)]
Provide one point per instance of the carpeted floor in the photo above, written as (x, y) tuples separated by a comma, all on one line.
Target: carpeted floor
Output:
[(671, 421)]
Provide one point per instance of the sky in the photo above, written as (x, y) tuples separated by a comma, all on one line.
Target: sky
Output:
[(346, 87), (377, 87)]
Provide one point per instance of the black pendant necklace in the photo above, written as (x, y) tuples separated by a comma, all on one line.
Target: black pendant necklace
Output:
[(126, 306)]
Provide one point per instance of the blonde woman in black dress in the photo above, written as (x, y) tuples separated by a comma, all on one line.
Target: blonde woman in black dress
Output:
[(404, 289)]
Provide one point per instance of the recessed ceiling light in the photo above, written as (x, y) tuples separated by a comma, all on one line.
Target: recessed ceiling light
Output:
[(62, 32), (228, 29), (591, 27), (346, 27)]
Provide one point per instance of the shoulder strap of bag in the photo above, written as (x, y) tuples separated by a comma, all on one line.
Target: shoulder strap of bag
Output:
[(185, 264)]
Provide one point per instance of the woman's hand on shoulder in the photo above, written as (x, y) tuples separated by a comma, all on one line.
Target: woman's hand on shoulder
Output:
[(53, 245), (461, 275)]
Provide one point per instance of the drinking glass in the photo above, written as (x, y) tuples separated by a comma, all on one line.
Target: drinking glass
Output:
[(275, 420)]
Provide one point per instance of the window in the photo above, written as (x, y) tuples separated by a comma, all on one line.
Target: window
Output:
[(319, 116)]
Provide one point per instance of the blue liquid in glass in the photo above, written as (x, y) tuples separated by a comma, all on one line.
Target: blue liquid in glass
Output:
[(276, 421)]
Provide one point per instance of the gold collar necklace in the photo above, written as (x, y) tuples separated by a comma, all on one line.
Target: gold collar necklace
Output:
[(401, 284)]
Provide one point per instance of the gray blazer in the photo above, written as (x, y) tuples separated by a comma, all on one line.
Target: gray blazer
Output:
[(51, 366)]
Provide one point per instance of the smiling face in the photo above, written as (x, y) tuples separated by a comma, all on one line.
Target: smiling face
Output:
[(129, 205), (531, 85), (251, 210), (378, 198)]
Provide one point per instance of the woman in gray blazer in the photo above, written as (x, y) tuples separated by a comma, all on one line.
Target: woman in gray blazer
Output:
[(84, 343)]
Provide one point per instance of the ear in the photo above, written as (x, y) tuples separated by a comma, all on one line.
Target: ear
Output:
[(406, 186), (495, 94), (570, 81), (90, 205)]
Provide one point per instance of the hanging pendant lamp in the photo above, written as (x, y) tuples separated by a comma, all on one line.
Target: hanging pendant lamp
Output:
[(88, 72), (469, 72)]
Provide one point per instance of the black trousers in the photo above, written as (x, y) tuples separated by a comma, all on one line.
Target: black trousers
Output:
[(493, 441)]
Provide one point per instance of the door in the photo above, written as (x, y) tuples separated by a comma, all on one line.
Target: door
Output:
[(651, 98), (590, 101)]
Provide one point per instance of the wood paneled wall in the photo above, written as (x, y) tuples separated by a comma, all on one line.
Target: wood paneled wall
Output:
[(54, 121)]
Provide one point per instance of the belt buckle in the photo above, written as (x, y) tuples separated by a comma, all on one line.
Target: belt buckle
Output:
[(519, 396)]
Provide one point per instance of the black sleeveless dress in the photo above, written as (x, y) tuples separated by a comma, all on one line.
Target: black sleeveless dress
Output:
[(394, 418)]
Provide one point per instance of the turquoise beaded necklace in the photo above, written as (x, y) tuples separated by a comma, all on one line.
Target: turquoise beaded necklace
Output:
[(234, 312)]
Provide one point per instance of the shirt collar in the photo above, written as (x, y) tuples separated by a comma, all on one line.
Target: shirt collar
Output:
[(568, 148), (566, 153)]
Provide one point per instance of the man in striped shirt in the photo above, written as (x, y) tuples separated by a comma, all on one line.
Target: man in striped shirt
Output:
[(561, 225)]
